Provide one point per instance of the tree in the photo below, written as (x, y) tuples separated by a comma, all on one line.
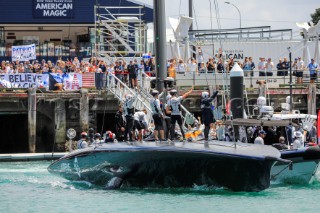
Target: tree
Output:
[(315, 16)]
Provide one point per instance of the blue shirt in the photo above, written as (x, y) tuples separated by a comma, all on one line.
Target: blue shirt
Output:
[(312, 67)]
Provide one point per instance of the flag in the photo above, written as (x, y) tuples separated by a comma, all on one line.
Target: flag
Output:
[(88, 80)]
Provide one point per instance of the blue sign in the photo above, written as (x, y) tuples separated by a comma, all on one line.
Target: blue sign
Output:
[(53, 8)]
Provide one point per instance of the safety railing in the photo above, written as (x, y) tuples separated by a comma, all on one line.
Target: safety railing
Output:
[(145, 88), (250, 81), (120, 89)]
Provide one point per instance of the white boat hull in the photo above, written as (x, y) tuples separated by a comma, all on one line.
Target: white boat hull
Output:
[(302, 171)]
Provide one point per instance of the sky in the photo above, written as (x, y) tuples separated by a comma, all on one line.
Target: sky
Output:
[(279, 14)]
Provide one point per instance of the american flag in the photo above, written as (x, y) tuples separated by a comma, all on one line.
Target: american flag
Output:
[(88, 80)]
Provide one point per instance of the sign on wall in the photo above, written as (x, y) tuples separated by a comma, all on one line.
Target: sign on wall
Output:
[(24, 53), (26, 80), (53, 8)]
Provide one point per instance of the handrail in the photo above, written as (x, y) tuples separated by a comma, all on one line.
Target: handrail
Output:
[(119, 89), (147, 92), (206, 79)]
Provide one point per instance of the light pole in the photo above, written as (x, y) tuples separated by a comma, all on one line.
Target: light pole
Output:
[(227, 2)]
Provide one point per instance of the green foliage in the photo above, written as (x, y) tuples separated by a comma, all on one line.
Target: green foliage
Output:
[(315, 16)]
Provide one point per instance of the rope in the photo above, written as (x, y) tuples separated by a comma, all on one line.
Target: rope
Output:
[(274, 176)]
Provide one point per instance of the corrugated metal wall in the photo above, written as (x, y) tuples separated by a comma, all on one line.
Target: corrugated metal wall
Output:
[(21, 12)]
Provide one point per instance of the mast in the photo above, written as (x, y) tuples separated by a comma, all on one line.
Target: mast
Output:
[(191, 26), (159, 18), (290, 70)]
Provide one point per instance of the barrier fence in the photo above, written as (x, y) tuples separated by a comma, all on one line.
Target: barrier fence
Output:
[(75, 81)]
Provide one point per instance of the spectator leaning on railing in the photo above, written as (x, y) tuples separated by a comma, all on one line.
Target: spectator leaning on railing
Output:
[(262, 66), (313, 68)]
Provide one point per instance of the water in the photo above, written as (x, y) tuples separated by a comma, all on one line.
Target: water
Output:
[(28, 187)]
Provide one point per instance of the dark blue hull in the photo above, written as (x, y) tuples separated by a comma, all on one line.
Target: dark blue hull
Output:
[(169, 166)]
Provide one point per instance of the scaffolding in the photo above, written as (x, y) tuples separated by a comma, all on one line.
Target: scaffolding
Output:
[(119, 31)]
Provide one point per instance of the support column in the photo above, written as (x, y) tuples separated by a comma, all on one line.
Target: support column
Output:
[(60, 122), (160, 42), (84, 110), (32, 119), (312, 95)]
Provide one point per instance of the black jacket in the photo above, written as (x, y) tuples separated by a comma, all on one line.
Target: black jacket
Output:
[(120, 122), (206, 103)]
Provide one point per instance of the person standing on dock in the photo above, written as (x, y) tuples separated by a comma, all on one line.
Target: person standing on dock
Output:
[(207, 113), (176, 116), (313, 68), (157, 115), (133, 72)]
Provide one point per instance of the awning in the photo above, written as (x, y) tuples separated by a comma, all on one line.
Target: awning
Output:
[(255, 122)]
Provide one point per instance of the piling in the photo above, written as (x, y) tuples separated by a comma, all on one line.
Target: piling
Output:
[(32, 119), (84, 110), (236, 91), (312, 97), (60, 121)]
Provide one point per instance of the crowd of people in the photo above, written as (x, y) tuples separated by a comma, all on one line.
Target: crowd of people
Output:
[(265, 67), (128, 71)]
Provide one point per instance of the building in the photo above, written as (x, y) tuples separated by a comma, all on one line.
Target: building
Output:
[(59, 28)]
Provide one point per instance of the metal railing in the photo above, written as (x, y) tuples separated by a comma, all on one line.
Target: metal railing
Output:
[(219, 79), (145, 87), (120, 89)]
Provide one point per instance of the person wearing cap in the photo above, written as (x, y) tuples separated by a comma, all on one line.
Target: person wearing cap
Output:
[(140, 123), (298, 141), (97, 139), (313, 68), (281, 145), (206, 111), (82, 143), (167, 117), (260, 138), (157, 115), (133, 73), (128, 113), (120, 124), (176, 116)]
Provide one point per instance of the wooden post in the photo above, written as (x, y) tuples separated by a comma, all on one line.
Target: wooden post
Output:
[(60, 122), (84, 110), (312, 95), (32, 119)]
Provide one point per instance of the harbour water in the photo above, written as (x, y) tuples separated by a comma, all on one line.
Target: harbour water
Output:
[(28, 187)]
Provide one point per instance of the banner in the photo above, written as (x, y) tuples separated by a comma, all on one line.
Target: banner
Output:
[(24, 53), (70, 81), (52, 8), (25, 80)]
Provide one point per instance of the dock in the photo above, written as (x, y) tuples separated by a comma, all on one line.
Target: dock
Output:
[(31, 156)]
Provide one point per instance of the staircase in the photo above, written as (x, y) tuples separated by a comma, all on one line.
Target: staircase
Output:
[(145, 88), (120, 89)]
